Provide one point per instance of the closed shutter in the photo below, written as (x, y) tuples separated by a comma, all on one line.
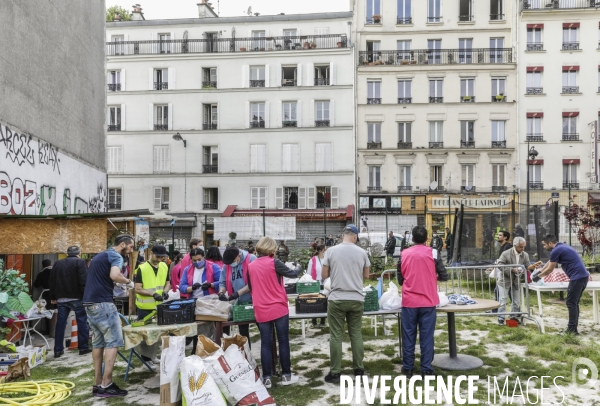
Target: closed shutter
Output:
[(171, 78), (286, 159), (247, 118), (280, 114), (319, 158), (332, 113), (262, 158), (119, 158), (267, 110), (245, 75), (170, 116), (335, 199), (253, 158), (262, 198), (295, 153), (267, 76), (328, 158), (312, 113), (299, 75), (157, 197), (123, 117), (312, 201), (302, 198), (278, 75), (254, 198), (332, 79), (151, 78), (156, 159), (310, 74), (279, 197), (151, 117), (299, 114), (123, 80)]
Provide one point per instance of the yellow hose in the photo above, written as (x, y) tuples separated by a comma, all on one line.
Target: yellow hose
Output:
[(41, 392)]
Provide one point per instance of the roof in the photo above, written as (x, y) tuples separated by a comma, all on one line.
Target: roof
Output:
[(109, 214), (231, 20)]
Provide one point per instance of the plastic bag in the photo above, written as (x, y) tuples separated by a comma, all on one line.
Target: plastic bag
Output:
[(391, 299), (306, 278), (197, 386), (443, 299), (174, 295), (171, 357)]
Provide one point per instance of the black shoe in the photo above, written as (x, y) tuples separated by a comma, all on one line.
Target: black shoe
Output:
[(111, 391), (407, 372), (332, 378), (359, 372), (59, 354), (501, 322), (424, 374), (95, 390), (86, 351)]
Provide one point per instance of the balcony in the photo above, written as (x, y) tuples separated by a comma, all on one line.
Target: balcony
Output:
[(534, 90), (404, 189), (535, 46), (537, 5), (114, 127), (498, 144), (375, 20), (436, 99), (434, 145), (209, 126), (497, 17), (404, 100), (467, 99), (257, 124), (161, 85), (210, 206), (288, 82), (499, 99), (321, 123), (210, 168), (404, 145), (114, 206), (321, 81), (570, 46), (287, 205), (435, 19), (437, 189), (289, 123), (226, 45), (257, 83), (114, 87), (374, 100), (536, 185), (570, 137), (534, 138), (570, 185), (499, 188), (465, 19), (467, 144), (467, 189), (209, 84), (403, 20), (373, 188), (164, 206), (161, 127), (373, 145), (570, 89), (475, 56), (324, 205)]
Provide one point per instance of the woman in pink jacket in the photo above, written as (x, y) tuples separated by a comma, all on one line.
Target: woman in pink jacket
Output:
[(314, 270)]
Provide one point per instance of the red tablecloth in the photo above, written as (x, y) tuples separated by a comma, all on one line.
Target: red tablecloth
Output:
[(558, 275)]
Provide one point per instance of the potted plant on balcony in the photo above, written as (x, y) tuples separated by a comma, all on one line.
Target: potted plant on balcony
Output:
[(500, 97), (467, 98), (242, 49), (376, 19), (339, 44), (313, 45), (306, 45)]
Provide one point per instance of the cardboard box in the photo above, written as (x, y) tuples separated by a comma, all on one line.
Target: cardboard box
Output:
[(13, 356), (5, 364), (36, 355)]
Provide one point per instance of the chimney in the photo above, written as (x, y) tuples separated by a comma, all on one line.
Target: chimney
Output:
[(205, 10), (137, 14), (117, 18)]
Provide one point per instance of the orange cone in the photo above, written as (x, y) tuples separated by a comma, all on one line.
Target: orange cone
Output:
[(73, 345)]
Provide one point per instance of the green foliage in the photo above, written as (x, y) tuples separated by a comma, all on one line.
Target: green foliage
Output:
[(12, 282), (111, 11), (301, 255), (21, 303), (377, 264)]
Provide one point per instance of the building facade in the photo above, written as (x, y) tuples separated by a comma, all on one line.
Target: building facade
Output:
[(436, 110), (216, 115)]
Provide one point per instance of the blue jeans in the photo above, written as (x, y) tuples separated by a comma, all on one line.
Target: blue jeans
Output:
[(105, 325), (83, 330), (282, 327), (424, 318)]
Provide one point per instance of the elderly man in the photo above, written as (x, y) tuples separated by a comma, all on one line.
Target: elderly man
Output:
[(509, 278)]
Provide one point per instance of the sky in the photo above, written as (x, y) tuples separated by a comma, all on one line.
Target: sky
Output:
[(162, 9)]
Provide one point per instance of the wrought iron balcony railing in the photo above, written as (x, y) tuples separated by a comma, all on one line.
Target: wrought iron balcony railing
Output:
[(321, 81), (164, 206), (537, 5), (373, 188), (534, 90), (226, 45), (436, 145), (321, 123), (465, 19), (373, 20), (570, 137), (161, 127), (404, 145), (287, 205), (114, 87), (114, 206), (535, 46), (404, 189), (570, 89), (210, 168), (497, 17), (534, 137), (257, 124), (498, 144), (436, 99), (209, 84), (467, 144), (210, 206), (572, 185), (403, 20), (467, 99), (536, 185), (323, 205), (435, 19), (467, 189), (289, 123), (437, 57), (373, 145), (570, 46), (114, 127), (209, 126), (374, 100), (161, 85), (288, 82), (257, 83), (404, 100), (499, 188), (498, 98)]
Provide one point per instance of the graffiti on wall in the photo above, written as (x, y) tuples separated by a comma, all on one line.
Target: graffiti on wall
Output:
[(37, 179)]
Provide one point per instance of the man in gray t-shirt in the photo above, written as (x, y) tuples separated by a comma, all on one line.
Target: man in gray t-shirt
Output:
[(347, 264)]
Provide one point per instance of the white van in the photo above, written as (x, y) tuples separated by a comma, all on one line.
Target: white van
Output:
[(381, 238)]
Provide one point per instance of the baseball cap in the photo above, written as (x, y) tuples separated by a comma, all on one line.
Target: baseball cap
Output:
[(352, 228), (160, 251)]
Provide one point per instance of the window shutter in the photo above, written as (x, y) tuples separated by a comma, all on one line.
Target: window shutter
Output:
[(299, 113), (335, 200), (332, 79), (267, 109), (155, 159), (123, 80), (247, 118), (332, 113), (245, 76), (285, 158), (279, 197), (280, 114), (328, 165), (170, 116), (123, 117), (312, 201), (495, 169), (267, 77), (278, 75), (171, 78), (119, 159), (295, 151), (151, 117), (319, 158), (254, 198), (262, 158), (299, 75), (262, 197), (107, 116), (253, 158), (302, 198), (157, 197), (312, 113), (310, 74), (151, 77)]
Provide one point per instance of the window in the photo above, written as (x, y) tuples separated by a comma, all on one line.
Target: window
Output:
[(161, 79), (258, 40), (434, 11), (373, 12), (404, 178), (161, 198), (290, 158), (114, 199), (465, 53), (164, 43), (114, 118), (498, 177), (467, 134), (114, 81), (570, 129), (498, 134), (322, 75), (210, 117), (374, 178), (465, 10), (404, 50), (373, 92), (404, 135), (570, 175), (570, 38), (258, 198), (405, 91), (161, 162), (373, 48), (467, 177), (374, 135), (534, 83), (290, 114), (258, 158), (289, 75), (534, 129), (290, 197), (498, 89), (257, 76), (467, 90), (211, 199), (496, 50), (435, 90), (161, 122), (289, 33), (118, 47), (322, 114), (434, 54), (323, 197), (323, 157), (209, 78), (115, 159), (210, 163), (496, 10), (535, 174), (534, 39), (404, 12), (569, 81), (436, 134), (436, 175), (257, 115)]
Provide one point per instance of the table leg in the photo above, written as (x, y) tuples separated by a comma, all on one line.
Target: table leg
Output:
[(218, 332), (400, 354), (595, 305), (374, 322), (303, 332), (40, 334), (539, 298), (453, 361)]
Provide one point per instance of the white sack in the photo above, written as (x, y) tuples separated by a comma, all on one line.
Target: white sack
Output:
[(171, 356), (198, 387)]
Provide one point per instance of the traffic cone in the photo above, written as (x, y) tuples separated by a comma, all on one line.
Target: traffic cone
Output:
[(73, 345)]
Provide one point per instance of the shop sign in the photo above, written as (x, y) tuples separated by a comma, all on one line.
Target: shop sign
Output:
[(142, 230), (389, 211), (483, 203)]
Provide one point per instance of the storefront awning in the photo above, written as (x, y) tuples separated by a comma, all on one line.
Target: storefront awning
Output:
[(594, 196), (347, 212)]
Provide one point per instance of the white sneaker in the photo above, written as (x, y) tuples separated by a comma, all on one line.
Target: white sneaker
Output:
[(150, 363), (156, 361), (289, 379), (267, 383)]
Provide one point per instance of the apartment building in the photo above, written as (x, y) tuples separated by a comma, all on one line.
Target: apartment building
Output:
[(436, 112), (231, 116)]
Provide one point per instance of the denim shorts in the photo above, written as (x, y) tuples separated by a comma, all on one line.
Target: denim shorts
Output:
[(105, 325)]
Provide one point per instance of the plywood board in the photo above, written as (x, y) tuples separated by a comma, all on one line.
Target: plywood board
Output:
[(51, 236)]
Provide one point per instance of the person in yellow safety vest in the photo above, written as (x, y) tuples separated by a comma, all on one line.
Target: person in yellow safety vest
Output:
[(151, 287)]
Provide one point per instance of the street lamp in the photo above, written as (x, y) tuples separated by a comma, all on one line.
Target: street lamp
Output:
[(178, 137), (531, 155)]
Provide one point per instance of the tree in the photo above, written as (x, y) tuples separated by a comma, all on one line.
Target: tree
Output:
[(585, 221), (111, 11)]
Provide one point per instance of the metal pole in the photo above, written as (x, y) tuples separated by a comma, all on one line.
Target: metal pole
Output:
[(387, 229), (569, 210), (172, 239), (264, 225), (527, 211), (325, 222), (449, 214)]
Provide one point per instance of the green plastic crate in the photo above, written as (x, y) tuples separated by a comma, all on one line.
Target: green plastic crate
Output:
[(308, 287), (243, 312), (371, 301)]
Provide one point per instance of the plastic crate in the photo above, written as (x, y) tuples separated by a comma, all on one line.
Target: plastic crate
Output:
[(371, 301), (176, 312), (311, 304), (290, 289), (243, 312), (308, 287)]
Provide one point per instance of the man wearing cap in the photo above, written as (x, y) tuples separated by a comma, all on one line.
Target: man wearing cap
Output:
[(234, 280), (67, 284), (347, 264), (151, 287)]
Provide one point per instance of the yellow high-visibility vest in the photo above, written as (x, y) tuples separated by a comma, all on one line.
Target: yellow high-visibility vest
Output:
[(151, 282)]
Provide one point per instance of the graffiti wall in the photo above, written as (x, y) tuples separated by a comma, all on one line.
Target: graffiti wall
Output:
[(36, 178)]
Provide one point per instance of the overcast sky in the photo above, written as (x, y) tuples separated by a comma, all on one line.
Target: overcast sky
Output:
[(155, 9)]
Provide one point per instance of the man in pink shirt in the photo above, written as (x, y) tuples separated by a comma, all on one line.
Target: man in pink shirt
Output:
[(419, 269)]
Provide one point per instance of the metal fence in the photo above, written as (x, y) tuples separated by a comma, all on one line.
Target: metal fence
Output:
[(437, 56)]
